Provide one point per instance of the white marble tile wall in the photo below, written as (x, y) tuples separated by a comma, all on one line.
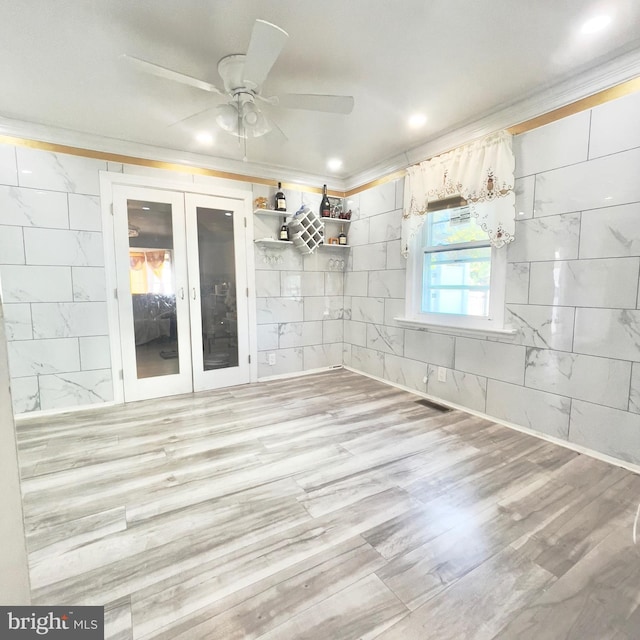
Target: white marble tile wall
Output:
[(613, 232), (300, 298), (11, 245), (552, 238), (385, 339), (525, 190), (611, 431), (461, 388), (51, 266), (539, 326), (58, 171), (585, 283), (495, 360), (18, 325), (517, 282), (602, 182), (406, 372), (615, 126), (571, 370), (8, 165), (538, 410), (69, 319), (64, 390), (559, 144), (53, 280)]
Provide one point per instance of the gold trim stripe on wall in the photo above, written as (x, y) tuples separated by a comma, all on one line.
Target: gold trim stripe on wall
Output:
[(607, 95), (156, 164), (618, 91)]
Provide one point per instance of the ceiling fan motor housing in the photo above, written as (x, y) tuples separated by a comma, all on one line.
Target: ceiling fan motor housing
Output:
[(231, 70)]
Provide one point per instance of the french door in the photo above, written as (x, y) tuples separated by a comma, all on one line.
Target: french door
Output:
[(182, 291)]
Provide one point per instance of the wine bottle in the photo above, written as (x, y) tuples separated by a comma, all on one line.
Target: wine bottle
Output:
[(325, 205), (280, 200), (284, 232), (342, 239)]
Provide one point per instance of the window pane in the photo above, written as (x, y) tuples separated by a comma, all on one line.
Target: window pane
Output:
[(153, 292), (450, 226), (457, 282)]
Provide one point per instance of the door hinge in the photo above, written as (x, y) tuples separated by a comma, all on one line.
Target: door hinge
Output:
[(121, 374), (115, 294), (111, 208), (249, 359), (245, 223), (247, 292)]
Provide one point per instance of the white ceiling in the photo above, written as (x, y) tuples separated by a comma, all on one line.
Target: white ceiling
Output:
[(454, 60)]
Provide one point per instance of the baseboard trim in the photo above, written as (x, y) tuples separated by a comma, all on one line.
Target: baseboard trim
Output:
[(45, 413), (603, 457), (297, 374)]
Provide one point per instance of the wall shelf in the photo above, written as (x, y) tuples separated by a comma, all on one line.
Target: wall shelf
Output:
[(335, 246), (272, 213), (271, 242), (336, 220)]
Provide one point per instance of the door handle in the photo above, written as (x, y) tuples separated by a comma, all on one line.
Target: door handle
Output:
[(193, 292)]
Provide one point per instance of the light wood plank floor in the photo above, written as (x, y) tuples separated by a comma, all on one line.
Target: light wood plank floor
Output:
[(328, 507)]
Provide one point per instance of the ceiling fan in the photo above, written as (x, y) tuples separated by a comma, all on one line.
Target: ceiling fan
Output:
[(243, 76)]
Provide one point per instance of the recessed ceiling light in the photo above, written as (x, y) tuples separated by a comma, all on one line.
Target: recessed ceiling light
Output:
[(146, 208), (417, 120), (597, 23), (204, 137), (334, 164), (228, 213)]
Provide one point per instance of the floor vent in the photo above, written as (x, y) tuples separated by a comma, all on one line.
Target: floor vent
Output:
[(433, 405)]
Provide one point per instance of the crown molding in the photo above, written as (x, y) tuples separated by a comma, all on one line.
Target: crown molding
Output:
[(83, 143), (563, 93), (560, 97)]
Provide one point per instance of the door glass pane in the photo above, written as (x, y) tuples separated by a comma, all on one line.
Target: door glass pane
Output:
[(153, 292), (217, 288)]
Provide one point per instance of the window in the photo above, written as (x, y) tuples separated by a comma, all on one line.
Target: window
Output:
[(455, 277), (150, 271)]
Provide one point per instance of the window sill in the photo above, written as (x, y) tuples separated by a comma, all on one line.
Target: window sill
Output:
[(447, 328)]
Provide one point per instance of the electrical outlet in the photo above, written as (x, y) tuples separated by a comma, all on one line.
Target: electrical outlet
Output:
[(272, 359), (442, 374)]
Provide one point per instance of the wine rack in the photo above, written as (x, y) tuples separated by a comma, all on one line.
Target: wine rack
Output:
[(306, 230)]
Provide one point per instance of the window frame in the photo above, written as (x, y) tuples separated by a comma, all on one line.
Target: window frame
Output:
[(493, 322)]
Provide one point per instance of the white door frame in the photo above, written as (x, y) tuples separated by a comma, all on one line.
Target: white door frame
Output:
[(107, 182)]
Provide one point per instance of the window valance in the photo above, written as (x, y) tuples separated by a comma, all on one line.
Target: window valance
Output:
[(480, 172)]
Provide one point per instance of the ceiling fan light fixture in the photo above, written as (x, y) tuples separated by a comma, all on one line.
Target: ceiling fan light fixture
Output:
[(227, 118), (261, 127), (250, 114)]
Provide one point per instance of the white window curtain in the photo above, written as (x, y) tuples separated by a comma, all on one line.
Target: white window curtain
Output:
[(480, 172)]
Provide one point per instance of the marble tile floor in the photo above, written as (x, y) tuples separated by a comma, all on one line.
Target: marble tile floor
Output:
[(327, 507)]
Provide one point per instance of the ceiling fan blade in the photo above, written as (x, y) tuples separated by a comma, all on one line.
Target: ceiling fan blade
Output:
[(193, 115), (275, 133), (312, 102), (170, 74), (267, 41)]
